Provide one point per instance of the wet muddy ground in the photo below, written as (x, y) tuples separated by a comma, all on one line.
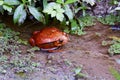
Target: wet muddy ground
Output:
[(86, 51)]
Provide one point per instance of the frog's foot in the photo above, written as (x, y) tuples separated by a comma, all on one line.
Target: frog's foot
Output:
[(52, 50), (32, 42)]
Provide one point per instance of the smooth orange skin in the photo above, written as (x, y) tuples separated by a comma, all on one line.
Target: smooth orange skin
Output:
[(48, 38)]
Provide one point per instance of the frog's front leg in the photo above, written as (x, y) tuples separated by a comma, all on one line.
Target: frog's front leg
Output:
[(32, 41)]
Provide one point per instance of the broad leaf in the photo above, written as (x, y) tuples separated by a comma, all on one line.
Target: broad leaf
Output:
[(53, 13), (23, 17), (1, 2), (8, 8), (44, 3), (69, 12), (30, 2), (11, 2), (91, 2), (117, 8), (38, 15), (55, 10), (60, 16), (19, 14), (1, 10), (70, 1), (60, 1), (24, 1), (74, 25)]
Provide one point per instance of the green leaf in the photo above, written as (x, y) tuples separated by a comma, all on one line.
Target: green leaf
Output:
[(38, 15), (8, 8), (115, 73), (76, 29), (30, 2), (19, 14), (11, 2), (60, 1), (1, 2), (44, 3), (78, 70), (55, 10), (60, 16), (1, 10), (79, 74), (91, 2), (69, 12), (74, 25), (53, 13), (86, 21), (117, 8), (70, 1), (24, 1), (22, 17)]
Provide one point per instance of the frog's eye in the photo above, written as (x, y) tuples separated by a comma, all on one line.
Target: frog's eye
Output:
[(60, 40)]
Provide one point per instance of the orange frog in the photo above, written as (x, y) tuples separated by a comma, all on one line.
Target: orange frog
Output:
[(49, 39)]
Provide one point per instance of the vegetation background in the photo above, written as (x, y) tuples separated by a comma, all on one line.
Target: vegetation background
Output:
[(73, 16)]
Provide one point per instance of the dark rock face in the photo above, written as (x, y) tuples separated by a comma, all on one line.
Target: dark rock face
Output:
[(101, 8), (104, 7)]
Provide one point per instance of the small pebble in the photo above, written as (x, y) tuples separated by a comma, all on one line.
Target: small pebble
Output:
[(118, 61)]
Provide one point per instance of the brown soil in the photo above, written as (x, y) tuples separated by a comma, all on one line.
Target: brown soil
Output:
[(86, 51)]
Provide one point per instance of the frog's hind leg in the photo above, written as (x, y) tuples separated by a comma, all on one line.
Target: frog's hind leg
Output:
[(35, 32)]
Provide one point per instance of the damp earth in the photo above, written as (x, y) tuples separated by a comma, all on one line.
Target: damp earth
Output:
[(85, 51)]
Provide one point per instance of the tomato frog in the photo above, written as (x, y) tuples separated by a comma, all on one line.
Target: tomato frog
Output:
[(49, 39)]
